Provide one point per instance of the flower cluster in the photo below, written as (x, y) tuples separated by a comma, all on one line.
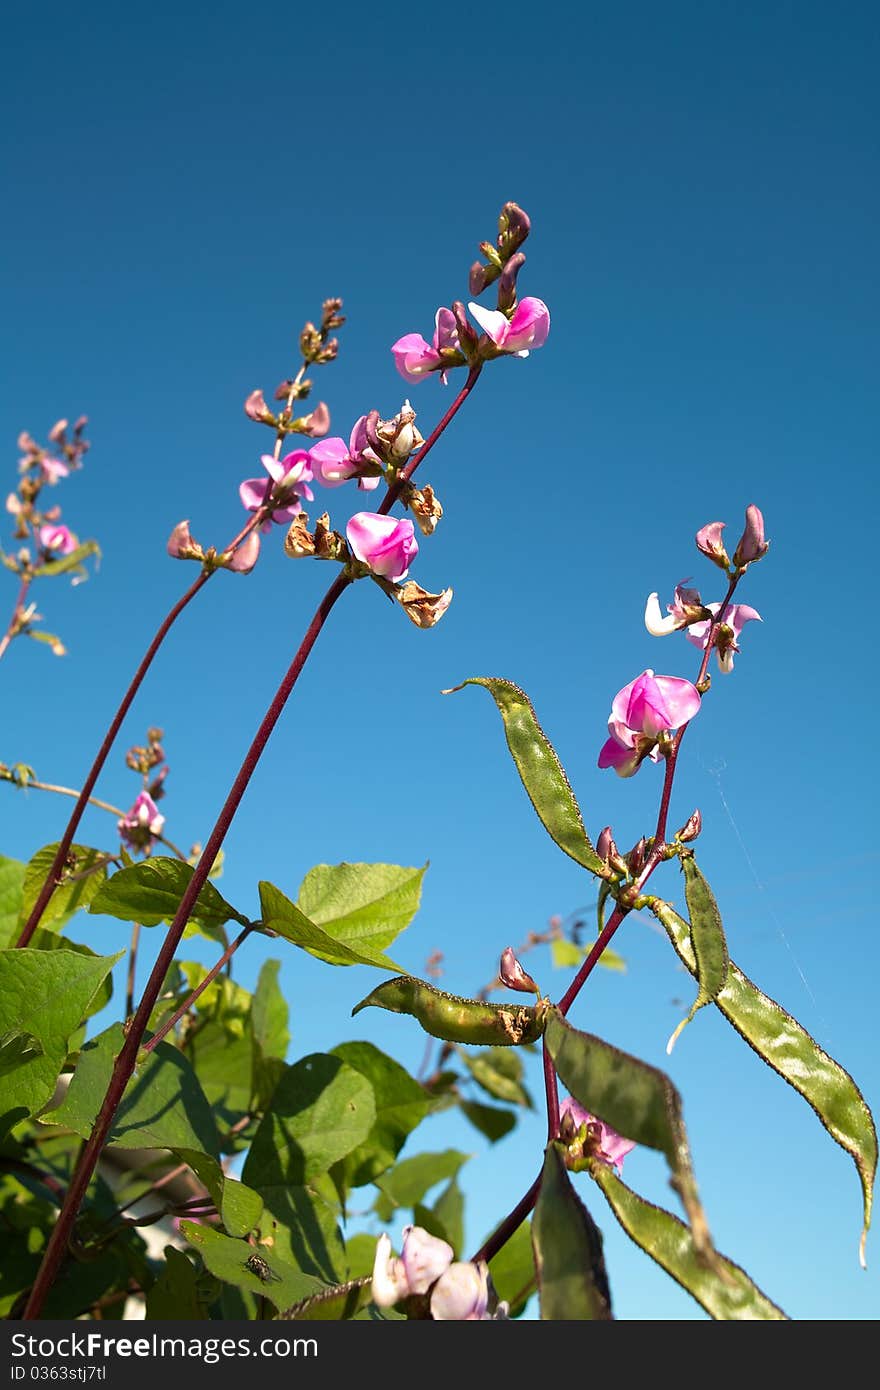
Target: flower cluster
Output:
[(143, 824), (427, 1274)]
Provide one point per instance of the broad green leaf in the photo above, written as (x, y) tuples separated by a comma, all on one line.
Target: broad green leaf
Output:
[(335, 1304), (224, 1066), (425, 1217), (566, 955), (176, 1294), (499, 1071), (637, 1100), (164, 1107), (239, 1206), (321, 1111), (223, 1001), (449, 1210), (301, 1224), (45, 994), (540, 770), (708, 940), (726, 1292), (227, 1259), (268, 1025), (411, 1179), (489, 1120), (513, 1270), (48, 940), (572, 1281), (12, 873), (360, 1254), (457, 1020), (401, 1104), (17, 1048), (362, 905), (280, 915), (74, 561), (81, 879), (781, 1042), (150, 892)]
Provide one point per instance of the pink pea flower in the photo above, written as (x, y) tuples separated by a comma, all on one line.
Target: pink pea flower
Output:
[(528, 328), (386, 544), (53, 469), (142, 824), (334, 462), (709, 542), (291, 476), (640, 713), (57, 540), (603, 1142), (686, 608), (736, 615), (415, 358), (422, 1261), (461, 1294), (514, 975), (246, 555), (751, 544)]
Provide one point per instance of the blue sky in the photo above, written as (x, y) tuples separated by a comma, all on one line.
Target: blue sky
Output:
[(186, 187)]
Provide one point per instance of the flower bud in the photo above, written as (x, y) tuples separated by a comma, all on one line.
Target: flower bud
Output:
[(80, 424), (309, 342), (751, 545), (514, 226), (507, 283), (330, 315), (636, 858), (422, 608), (467, 335), (481, 276), (709, 541), (181, 545), (605, 846), (245, 556), (56, 433), (316, 424), (691, 828), (255, 408), (514, 976)]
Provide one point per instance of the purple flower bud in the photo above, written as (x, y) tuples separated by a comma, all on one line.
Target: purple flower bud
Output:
[(709, 541), (480, 277), (507, 283), (56, 433), (513, 975), (245, 556), (316, 424), (181, 545), (691, 828), (514, 226), (751, 545), (255, 408), (605, 846)]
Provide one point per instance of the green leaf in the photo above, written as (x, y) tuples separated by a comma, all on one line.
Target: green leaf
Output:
[(175, 1294), (401, 1104), (457, 1020), (566, 955), (363, 905), (321, 1111), (489, 1120), (513, 1270), (271, 1038), (239, 1206), (637, 1100), (150, 892), (284, 917), (360, 1254), (781, 1042), (45, 994), (413, 1178), (227, 1259), (12, 873), (301, 1224), (336, 1304), (449, 1211), (74, 561), (499, 1071), (46, 940), (708, 940), (82, 877), (224, 1066), (17, 1048), (572, 1281), (726, 1293), (164, 1107), (540, 770)]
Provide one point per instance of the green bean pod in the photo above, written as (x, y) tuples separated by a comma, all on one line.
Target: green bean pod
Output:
[(458, 1020)]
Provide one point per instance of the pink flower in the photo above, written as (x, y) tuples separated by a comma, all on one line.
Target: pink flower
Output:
[(640, 713), (142, 824), (603, 1142), (334, 463), (291, 476), (736, 615), (686, 607), (423, 1259), (461, 1294), (246, 555), (53, 469), (415, 359), (711, 545), (255, 408), (513, 975), (181, 545), (751, 544), (386, 544), (528, 328), (57, 540)]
